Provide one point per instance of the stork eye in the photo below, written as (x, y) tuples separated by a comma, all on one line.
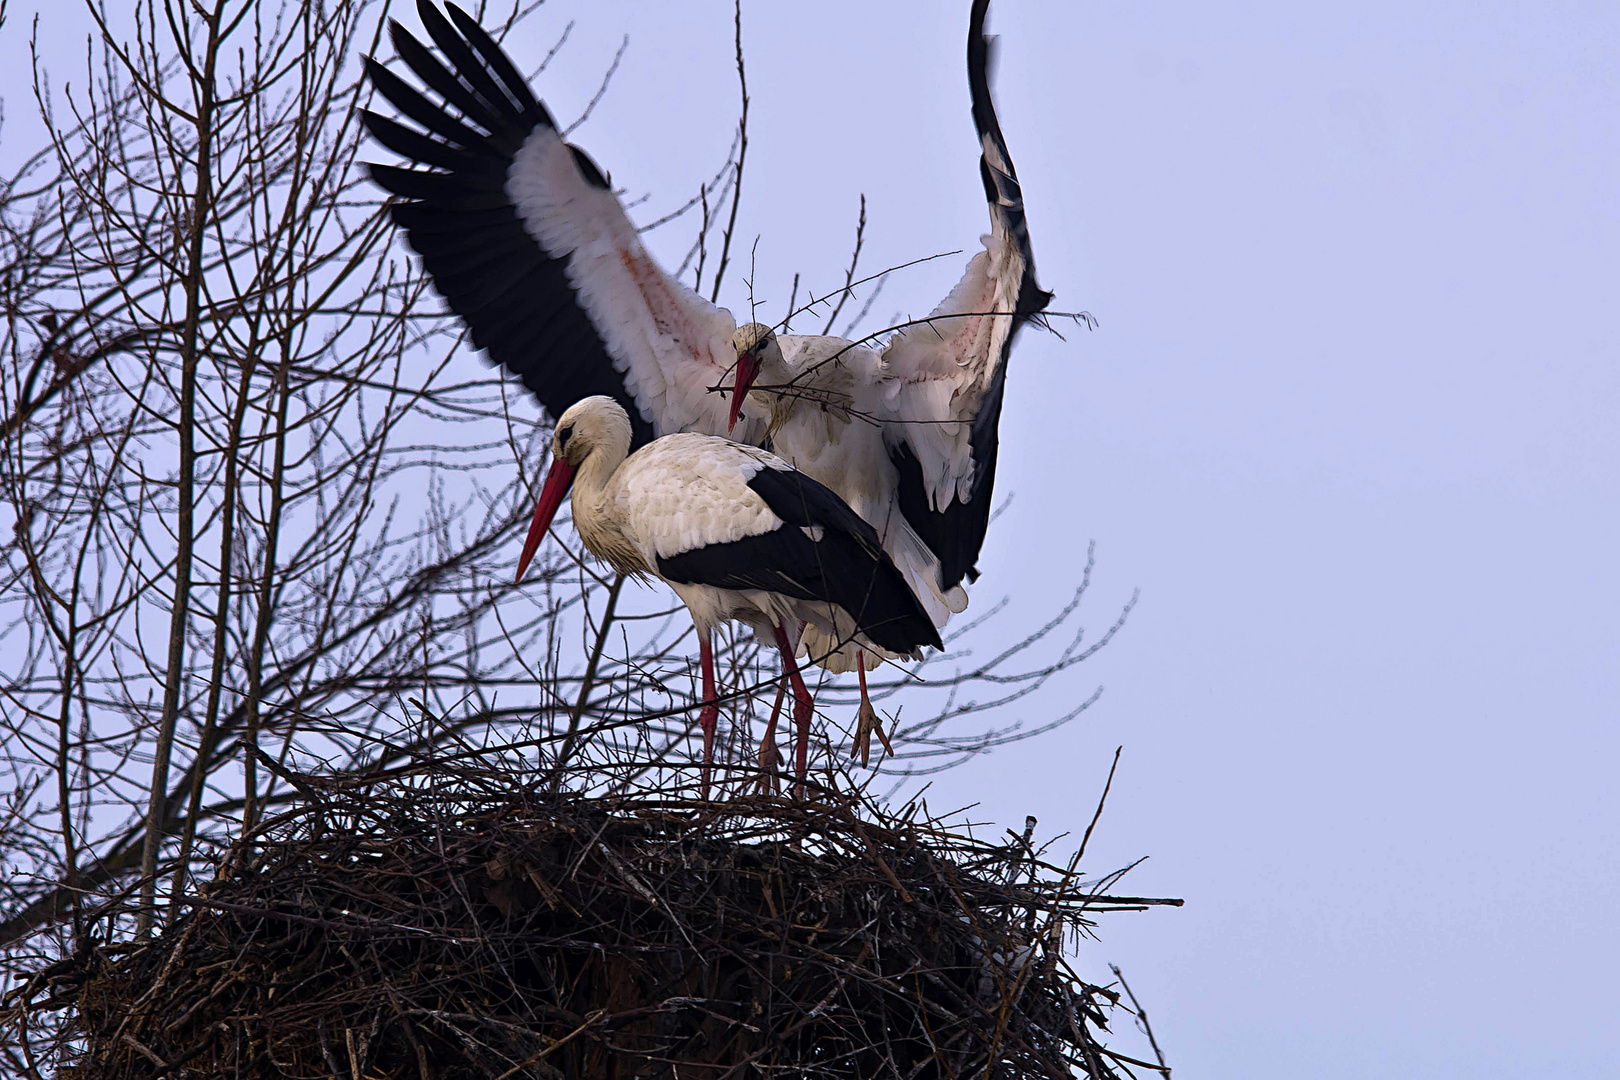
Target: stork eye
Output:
[(563, 435)]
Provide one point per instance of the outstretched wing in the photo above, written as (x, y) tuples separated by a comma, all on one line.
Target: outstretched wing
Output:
[(523, 236), (943, 380)]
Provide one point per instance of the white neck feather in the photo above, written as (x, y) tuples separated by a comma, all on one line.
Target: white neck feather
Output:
[(598, 514)]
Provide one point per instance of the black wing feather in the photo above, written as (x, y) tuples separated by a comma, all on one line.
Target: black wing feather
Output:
[(513, 294), (444, 193), (468, 66), (424, 150), (408, 100), (503, 68), (420, 59), (421, 219), (956, 534), (847, 566)]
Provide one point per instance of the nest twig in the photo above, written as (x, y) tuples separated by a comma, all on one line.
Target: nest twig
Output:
[(451, 927)]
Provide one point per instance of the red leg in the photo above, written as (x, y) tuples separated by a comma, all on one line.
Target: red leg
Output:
[(769, 762), (866, 717), (803, 707), (877, 726), (710, 714)]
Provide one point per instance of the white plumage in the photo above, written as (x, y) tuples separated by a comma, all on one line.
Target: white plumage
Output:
[(739, 534), (525, 239), (668, 343)]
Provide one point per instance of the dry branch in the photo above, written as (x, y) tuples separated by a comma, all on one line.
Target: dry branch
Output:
[(456, 926), (246, 341)]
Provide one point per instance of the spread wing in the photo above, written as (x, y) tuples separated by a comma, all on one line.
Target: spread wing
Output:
[(526, 241), (943, 380)]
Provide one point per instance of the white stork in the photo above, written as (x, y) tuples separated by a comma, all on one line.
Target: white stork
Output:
[(525, 239), (738, 533)]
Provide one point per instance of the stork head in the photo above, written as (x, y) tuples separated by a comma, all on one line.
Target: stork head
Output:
[(593, 427), (756, 346)]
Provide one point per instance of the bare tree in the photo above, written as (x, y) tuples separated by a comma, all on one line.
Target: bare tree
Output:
[(263, 507)]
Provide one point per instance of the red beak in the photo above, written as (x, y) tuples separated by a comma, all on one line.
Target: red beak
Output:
[(747, 372), (558, 481)]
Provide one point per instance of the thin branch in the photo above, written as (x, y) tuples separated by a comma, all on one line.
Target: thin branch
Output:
[(849, 276), (1141, 1018), (742, 157)]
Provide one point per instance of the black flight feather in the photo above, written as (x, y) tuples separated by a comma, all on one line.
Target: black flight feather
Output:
[(513, 294), (845, 565), (956, 534)]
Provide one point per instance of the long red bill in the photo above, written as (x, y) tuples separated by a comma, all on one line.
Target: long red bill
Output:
[(556, 488), (747, 372)]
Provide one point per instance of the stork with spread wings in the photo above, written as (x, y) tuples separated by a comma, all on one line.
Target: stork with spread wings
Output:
[(522, 234)]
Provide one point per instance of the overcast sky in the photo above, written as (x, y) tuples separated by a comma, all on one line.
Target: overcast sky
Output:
[(1348, 421)]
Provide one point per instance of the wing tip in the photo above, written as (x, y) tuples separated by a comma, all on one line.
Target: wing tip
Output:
[(398, 34), (980, 58), (480, 78), (1002, 190)]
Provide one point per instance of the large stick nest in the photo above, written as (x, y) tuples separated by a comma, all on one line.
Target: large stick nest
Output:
[(441, 932)]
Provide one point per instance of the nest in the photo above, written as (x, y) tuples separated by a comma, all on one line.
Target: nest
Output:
[(435, 933)]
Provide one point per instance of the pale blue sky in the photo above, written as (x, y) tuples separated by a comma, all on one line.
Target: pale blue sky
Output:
[(1348, 421)]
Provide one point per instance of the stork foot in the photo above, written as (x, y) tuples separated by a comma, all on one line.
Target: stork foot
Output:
[(867, 721)]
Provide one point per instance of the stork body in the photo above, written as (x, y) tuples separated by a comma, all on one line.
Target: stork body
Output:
[(738, 534), (816, 395), (526, 241)]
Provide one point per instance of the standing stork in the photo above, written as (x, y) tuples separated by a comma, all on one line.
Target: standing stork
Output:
[(738, 533), (526, 241)]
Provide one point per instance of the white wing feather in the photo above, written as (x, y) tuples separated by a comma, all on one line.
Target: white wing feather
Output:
[(669, 343), (935, 376)]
